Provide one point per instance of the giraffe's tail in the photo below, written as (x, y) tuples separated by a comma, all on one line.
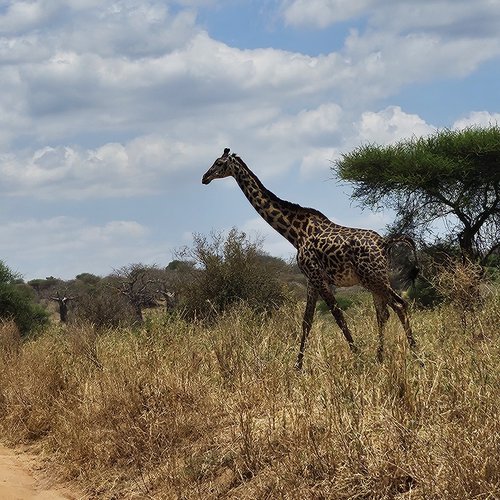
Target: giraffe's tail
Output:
[(406, 240)]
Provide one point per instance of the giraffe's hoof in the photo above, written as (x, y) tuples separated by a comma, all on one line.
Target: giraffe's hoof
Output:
[(380, 356), (417, 356), (354, 348), (298, 364)]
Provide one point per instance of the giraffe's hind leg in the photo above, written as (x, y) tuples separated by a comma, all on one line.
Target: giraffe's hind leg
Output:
[(330, 300), (382, 317), (400, 306), (377, 281)]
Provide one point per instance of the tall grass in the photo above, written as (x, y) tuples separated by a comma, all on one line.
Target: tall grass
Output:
[(177, 410)]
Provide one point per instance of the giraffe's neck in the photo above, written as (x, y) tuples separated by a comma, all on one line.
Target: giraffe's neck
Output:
[(279, 214)]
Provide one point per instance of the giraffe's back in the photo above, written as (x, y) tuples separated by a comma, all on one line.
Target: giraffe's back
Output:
[(347, 254)]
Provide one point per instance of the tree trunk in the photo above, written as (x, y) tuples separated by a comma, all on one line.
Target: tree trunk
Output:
[(138, 314), (63, 311), (466, 242)]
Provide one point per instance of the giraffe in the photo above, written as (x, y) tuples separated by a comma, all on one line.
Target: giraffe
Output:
[(328, 254)]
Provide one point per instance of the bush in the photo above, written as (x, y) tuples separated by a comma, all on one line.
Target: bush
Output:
[(17, 303), (344, 301), (448, 279), (101, 306), (424, 293), (228, 270)]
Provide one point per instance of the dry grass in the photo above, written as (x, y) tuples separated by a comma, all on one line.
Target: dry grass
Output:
[(178, 411), (460, 284)]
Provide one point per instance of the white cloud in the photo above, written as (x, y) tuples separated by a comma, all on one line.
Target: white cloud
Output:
[(21, 16), (75, 245), (322, 13), (384, 62), (478, 118), (318, 161), (127, 78), (59, 96), (112, 170), (391, 125), (457, 18), (64, 233), (180, 103), (403, 42), (309, 125), (130, 28)]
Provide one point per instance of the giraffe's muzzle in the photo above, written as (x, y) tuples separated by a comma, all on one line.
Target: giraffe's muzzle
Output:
[(206, 179)]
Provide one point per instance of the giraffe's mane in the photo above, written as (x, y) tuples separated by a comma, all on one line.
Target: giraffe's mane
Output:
[(286, 204)]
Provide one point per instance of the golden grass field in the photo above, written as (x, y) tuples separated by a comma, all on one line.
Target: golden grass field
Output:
[(182, 411)]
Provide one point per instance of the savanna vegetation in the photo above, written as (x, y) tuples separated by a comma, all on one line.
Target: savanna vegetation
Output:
[(181, 409), (178, 382), (197, 403)]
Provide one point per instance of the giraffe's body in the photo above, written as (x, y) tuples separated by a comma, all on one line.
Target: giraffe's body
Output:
[(328, 254)]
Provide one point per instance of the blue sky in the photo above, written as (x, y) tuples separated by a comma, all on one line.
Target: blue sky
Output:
[(111, 111)]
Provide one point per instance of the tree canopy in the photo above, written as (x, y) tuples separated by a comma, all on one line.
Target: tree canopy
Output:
[(452, 176)]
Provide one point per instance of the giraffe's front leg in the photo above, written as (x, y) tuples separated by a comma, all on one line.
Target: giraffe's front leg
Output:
[(318, 281), (307, 321)]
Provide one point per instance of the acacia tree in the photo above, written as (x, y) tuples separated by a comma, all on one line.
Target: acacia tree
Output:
[(452, 176)]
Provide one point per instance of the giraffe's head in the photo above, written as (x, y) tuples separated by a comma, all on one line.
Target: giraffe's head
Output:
[(222, 167)]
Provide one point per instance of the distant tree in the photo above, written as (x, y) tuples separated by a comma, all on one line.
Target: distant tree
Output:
[(55, 290), (45, 286), (88, 278), (17, 303), (101, 305), (451, 176), (139, 284), (180, 266), (6, 275)]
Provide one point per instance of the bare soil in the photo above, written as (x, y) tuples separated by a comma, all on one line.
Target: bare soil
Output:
[(22, 478)]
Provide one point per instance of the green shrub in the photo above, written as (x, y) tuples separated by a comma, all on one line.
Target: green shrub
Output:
[(344, 300), (17, 303), (424, 293)]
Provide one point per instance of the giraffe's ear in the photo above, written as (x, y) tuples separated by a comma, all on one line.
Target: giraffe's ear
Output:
[(226, 152)]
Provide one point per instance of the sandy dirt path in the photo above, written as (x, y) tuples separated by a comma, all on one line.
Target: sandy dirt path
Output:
[(19, 479)]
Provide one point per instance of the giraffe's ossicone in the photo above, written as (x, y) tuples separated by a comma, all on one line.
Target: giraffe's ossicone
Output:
[(328, 254)]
